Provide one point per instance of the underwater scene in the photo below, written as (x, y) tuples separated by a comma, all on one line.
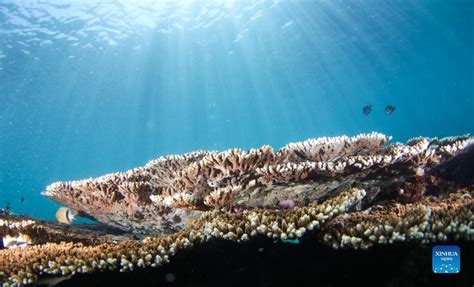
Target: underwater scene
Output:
[(236, 143)]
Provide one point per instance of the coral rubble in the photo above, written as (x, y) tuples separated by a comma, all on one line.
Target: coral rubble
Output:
[(351, 192)]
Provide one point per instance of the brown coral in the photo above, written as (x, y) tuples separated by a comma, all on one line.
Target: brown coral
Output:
[(25, 265), (41, 232), (327, 149), (336, 221), (430, 220), (166, 193), (346, 190)]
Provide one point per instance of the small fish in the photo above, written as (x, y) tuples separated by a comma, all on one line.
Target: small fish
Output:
[(22, 199), (389, 109), (53, 281), (366, 110), (65, 215)]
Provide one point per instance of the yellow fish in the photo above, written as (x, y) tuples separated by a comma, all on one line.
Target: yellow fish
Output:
[(65, 215)]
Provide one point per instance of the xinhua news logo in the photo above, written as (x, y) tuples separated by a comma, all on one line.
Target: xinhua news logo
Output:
[(446, 259)]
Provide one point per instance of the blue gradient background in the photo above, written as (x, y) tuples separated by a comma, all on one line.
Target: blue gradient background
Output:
[(275, 73)]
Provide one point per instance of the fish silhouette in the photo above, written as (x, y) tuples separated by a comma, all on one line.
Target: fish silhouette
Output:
[(366, 110), (389, 109)]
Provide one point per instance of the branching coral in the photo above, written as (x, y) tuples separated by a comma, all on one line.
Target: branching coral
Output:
[(430, 220), (24, 266), (274, 223), (351, 192), (166, 193), (22, 230), (336, 221), (328, 149)]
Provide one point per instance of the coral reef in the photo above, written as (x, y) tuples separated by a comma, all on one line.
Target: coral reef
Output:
[(429, 220), (350, 192), (166, 193), (36, 232), (23, 265)]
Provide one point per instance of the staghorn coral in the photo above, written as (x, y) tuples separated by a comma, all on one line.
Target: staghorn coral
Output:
[(170, 191)]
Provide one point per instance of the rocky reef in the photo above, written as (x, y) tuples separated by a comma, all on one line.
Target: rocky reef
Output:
[(345, 192)]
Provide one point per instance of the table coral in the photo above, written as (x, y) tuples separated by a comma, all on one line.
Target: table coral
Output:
[(164, 194)]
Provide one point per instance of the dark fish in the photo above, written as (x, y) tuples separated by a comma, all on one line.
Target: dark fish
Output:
[(389, 109), (22, 199), (367, 109)]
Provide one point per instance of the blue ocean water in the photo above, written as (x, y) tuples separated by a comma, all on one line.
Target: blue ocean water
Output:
[(93, 87)]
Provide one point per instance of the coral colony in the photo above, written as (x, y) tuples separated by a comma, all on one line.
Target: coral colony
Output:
[(351, 192)]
